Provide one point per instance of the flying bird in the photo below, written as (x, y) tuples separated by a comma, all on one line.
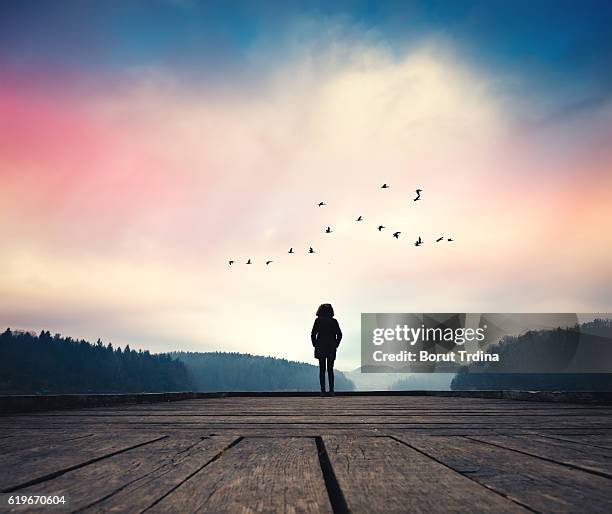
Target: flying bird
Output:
[(328, 230), (231, 262), (380, 227), (359, 219), (290, 250), (384, 186), (311, 250), (321, 204), (439, 239), (418, 196), (268, 262), (249, 261), (418, 242), (396, 235)]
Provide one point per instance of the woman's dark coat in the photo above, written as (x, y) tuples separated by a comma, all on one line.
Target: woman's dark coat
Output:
[(325, 336)]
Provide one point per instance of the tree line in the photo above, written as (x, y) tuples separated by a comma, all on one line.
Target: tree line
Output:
[(536, 349), (43, 363), (46, 364)]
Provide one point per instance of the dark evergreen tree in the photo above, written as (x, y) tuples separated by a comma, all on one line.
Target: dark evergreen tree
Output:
[(31, 364), (539, 346)]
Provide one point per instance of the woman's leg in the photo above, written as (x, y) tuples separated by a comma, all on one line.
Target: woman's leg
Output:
[(322, 374), (330, 373)]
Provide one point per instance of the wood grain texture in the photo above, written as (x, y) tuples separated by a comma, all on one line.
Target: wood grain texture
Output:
[(30, 403), (541, 485), (383, 475), (25, 439), (256, 475), (563, 452), (41, 462), (385, 454), (600, 440), (134, 480)]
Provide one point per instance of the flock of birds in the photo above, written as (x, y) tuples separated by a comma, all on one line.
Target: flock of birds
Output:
[(380, 228)]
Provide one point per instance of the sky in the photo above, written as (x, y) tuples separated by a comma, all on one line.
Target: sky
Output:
[(144, 144)]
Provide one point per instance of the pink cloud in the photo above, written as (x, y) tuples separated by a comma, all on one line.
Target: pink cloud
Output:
[(137, 195)]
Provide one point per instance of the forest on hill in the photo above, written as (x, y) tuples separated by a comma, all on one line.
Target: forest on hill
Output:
[(44, 364), (539, 346), (221, 371)]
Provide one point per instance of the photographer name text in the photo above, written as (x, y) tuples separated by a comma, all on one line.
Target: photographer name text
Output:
[(425, 356)]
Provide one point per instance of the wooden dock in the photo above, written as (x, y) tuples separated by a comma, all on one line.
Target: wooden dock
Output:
[(309, 454)]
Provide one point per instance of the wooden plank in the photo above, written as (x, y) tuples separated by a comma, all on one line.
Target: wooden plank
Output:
[(42, 462), (431, 397), (325, 418), (548, 422), (601, 440), (289, 425), (536, 483), (256, 475), (383, 475), (25, 439), (570, 454), (357, 400), (388, 404), (342, 406), (133, 480), (304, 414), (341, 409), (281, 437), (317, 428)]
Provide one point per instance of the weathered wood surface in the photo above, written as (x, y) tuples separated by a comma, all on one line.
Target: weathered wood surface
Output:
[(380, 474), (574, 455), (30, 403), (305, 454), (265, 474), (40, 462), (542, 485), (134, 480)]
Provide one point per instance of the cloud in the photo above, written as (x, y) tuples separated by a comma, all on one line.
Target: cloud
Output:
[(124, 207)]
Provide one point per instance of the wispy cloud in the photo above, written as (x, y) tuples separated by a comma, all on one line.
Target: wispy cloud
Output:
[(122, 207)]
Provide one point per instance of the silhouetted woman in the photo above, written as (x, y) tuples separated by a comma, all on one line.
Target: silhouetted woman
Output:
[(326, 336)]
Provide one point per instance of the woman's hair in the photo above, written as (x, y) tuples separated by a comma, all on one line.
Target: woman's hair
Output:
[(325, 310)]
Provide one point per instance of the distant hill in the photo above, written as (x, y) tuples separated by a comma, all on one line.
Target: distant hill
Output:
[(399, 381), (44, 364), (371, 381), (220, 371), (540, 345)]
